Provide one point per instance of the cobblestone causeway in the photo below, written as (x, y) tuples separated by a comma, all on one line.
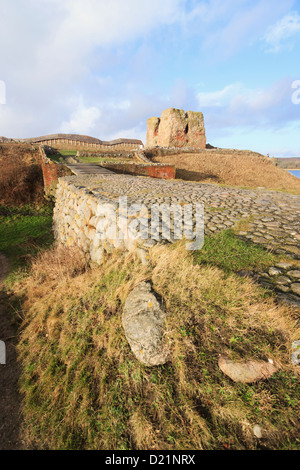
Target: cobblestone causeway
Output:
[(273, 218), (269, 218)]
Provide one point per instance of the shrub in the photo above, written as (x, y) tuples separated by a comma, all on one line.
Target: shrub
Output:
[(20, 183)]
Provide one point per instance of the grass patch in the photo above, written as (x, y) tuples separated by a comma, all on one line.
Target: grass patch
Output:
[(98, 160), (84, 389), (24, 230), (243, 225), (231, 254), (56, 157), (67, 153)]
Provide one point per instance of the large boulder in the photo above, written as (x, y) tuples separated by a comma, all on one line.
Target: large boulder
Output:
[(175, 128), (143, 322)]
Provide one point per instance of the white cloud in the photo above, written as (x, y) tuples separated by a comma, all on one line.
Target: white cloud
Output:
[(82, 121), (86, 25), (237, 105), (277, 35), (220, 97), (234, 24), (116, 55)]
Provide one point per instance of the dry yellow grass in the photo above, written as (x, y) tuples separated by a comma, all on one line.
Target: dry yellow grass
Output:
[(83, 388), (233, 168)]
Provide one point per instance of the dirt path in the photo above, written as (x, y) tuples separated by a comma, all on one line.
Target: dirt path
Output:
[(9, 376)]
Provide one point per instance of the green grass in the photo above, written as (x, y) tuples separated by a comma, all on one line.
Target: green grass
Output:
[(24, 230), (66, 153), (228, 252), (57, 158)]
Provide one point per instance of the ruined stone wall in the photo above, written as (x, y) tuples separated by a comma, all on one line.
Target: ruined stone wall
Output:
[(176, 128), (153, 170), (51, 172)]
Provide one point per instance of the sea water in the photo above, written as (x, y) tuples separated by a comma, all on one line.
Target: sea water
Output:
[(295, 173)]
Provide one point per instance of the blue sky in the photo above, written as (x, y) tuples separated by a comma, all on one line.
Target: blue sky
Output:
[(103, 68)]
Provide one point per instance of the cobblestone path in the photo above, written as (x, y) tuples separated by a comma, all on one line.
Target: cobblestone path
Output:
[(268, 218)]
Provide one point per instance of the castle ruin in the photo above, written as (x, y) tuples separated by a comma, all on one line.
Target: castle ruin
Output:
[(176, 128)]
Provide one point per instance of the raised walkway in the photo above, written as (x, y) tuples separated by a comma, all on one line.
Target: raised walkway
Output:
[(268, 218), (271, 218)]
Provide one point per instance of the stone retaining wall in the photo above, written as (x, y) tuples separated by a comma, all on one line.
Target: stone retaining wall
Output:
[(79, 221)]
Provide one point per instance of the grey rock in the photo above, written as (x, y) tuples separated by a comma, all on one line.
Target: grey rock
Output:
[(284, 266), (143, 322), (295, 274), (283, 280), (283, 288), (247, 371), (289, 299), (274, 271), (296, 288), (257, 431)]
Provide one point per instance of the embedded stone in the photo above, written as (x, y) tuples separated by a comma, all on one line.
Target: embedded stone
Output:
[(295, 274), (274, 271), (283, 280), (284, 266), (296, 288), (247, 371), (143, 322)]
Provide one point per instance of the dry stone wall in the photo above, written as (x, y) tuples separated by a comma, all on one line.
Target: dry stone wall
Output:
[(103, 213), (82, 218)]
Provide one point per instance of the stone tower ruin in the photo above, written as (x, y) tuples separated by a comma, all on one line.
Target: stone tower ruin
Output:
[(175, 128)]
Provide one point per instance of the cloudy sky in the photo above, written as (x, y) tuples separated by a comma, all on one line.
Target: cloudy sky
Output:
[(103, 67)]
